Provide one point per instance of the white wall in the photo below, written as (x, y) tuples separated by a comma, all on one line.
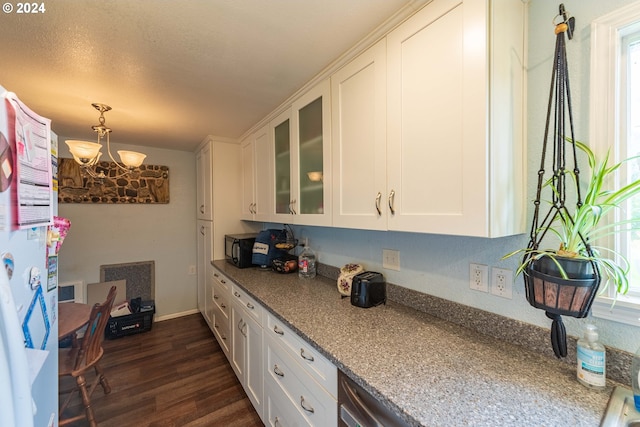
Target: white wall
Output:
[(439, 265), (165, 233)]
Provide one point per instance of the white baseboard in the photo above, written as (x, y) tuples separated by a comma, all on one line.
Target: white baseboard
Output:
[(175, 315)]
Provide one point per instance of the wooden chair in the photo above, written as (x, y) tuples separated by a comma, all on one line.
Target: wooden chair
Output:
[(76, 362)]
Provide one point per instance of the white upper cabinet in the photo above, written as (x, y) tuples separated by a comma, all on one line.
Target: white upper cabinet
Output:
[(256, 173), (282, 164), (204, 195), (455, 119), (422, 132), (359, 136), (301, 159), (311, 155)]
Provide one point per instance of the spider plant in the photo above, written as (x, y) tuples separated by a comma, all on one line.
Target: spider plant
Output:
[(578, 232)]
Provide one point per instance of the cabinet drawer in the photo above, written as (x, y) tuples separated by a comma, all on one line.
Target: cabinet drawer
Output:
[(250, 306), (221, 296), (314, 363), (316, 405), (221, 329), (221, 279), (279, 410)]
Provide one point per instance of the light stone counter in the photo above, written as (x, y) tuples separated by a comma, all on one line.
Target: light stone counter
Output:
[(432, 372)]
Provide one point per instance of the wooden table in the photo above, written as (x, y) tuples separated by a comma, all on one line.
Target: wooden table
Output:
[(71, 317)]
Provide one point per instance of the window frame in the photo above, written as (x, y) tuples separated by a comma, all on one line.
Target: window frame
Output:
[(607, 33)]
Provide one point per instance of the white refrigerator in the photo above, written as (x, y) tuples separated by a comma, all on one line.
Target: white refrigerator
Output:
[(29, 241)]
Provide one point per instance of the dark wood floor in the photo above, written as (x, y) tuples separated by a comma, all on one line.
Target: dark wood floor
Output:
[(174, 375)]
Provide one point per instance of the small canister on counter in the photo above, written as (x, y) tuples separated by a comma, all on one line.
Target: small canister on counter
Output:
[(346, 277)]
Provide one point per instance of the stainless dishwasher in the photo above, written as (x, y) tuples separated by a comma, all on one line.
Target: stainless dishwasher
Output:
[(358, 408)]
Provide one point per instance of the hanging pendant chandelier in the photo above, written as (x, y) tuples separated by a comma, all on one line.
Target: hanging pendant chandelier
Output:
[(87, 154)]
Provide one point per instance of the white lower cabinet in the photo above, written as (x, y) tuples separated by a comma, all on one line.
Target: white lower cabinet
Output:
[(279, 411), (288, 381), (302, 384), (221, 311), (247, 346)]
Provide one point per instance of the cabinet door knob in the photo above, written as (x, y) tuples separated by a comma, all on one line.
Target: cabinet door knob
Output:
[(391, 198), (307, 407), (378, 198)]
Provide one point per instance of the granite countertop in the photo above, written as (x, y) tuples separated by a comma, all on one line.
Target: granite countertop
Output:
[(430, 371)]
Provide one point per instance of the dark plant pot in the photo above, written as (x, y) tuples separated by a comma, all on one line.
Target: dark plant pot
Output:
[(547, 290)]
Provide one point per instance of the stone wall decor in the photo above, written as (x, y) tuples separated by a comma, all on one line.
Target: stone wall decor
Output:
[(148, 184)]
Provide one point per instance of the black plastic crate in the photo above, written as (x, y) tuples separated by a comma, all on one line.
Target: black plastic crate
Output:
[(131, 323)]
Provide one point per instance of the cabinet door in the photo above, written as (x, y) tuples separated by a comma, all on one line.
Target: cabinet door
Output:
[(311, 167), (238, 341), (282, 168), (256, 176), (203, 182), (358, 145), (437, 145), (247, 153), (254, 378), (204, 269), (262, 165)]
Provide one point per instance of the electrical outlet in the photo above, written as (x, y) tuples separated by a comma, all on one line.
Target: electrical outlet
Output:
[(191, 271), (479, 277), (391, 259), (502, 282)]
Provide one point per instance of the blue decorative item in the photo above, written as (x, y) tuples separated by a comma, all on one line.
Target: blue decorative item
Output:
[(31, 324), (264, 248)]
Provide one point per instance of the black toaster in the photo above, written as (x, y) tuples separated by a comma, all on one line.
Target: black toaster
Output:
[(368, 289)]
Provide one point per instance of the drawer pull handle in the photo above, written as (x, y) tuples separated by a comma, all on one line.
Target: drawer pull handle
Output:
[(278, 331), (216, 297), (276, 422), (223, 306), (309, 358), (250, 306), (277, 371), (215, 275), (237, 294), (378, 197), (306, 408), (223, 281)]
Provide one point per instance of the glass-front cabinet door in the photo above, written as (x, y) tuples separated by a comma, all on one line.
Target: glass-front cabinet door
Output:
[(311, 121), (282, 167)]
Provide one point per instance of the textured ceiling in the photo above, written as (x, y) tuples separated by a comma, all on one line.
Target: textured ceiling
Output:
[(174, 71)]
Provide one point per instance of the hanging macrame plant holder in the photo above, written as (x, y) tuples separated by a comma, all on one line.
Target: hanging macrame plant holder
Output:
[(545, 286)]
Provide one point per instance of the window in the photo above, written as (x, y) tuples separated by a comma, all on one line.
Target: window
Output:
[(615, 125)]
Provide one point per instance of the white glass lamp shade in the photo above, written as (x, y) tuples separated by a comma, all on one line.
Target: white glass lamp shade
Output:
[(131, 159), (83, 152)]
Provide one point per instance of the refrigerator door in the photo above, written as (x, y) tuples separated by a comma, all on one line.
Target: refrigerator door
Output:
[(15, 394)]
